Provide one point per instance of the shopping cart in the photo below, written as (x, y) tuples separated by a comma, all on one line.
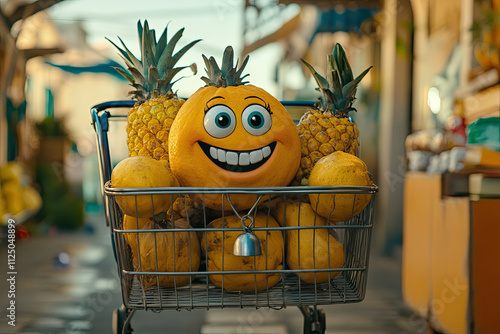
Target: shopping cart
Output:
[(344, 285)]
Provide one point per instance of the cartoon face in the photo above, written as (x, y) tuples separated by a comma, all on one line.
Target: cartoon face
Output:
[(236, 136), (220, 121)]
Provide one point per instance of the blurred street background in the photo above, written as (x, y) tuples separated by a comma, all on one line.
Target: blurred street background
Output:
[(80, 295), (428, 113)]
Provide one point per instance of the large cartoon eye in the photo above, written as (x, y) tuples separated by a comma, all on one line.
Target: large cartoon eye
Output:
[(256, 119), (219, 121)]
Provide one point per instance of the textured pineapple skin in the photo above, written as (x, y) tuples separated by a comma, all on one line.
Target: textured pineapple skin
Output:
[(148, 126), (322, 133)]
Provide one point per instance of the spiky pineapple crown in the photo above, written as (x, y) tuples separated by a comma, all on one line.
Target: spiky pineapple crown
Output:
[(227, 74), (338, 90), (152, 75)]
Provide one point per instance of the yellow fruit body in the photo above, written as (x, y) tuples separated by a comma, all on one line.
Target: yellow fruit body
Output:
[(32, 198), (12, 192), (149, 125), (142, 172), (321, 133), (2, 205), (218, 246), (190, 142), (309, 248), (193, 212), (157, 251), (133, 223), (339, 169)]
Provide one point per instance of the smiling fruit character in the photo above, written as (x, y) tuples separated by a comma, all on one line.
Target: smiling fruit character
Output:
[(229, 134)]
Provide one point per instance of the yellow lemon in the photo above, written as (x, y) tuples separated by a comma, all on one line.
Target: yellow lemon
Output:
[(166, 251), (218, 247), (133, 223), (143, 172), (309, 248), (339, 169)]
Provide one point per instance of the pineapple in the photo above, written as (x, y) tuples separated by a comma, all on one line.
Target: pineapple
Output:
[(150, 119), (194, 213), (326, 128)]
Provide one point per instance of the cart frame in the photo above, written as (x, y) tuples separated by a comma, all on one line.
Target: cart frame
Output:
[(347, 284)]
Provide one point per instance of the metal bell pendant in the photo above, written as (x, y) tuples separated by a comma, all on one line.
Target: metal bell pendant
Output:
[(247, 244)]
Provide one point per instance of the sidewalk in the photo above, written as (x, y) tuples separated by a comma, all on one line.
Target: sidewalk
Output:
[(81, 298)]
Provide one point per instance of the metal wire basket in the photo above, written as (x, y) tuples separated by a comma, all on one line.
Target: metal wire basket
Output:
[(143, 286)]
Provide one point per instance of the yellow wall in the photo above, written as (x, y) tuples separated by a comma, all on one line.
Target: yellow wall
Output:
[(450, 267), (422, 209), (450, 273)]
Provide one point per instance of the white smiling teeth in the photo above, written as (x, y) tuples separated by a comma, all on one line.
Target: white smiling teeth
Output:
[(256, 156), (231, 158), (266, 151), (221, 155), (213, 153), (242, 159)]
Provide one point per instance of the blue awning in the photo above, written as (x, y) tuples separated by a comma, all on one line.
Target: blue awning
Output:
[(347, 20), (106, 68)]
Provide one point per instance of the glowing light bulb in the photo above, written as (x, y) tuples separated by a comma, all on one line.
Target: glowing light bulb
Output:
[(433, 100)]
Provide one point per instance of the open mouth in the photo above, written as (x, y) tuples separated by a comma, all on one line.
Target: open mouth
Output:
[(238, 161)]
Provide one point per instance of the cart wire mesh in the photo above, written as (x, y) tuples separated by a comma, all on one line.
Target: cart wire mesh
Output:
[(142, 247)]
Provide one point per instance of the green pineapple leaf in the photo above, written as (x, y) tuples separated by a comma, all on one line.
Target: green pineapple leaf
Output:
[(153, 75), (139, 33), (169, 74), (126, 54), (137, 94), (182, 51), (138, 76), (322, 82), (227, 61), (329, 71), (208, 69), (349, 90), (342, 64), (152, 42), (135, 61), (214, 74), (241, 68), (336, 85), (215, 66), (338, 90), (169, 50), (147, 52), (128, 63), (331, 101), (154, 72), (227, 74), (125, 74), (160, 46), (136, 86)]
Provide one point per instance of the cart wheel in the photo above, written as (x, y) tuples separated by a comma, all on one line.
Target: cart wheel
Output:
[(314, 320), (121, 320), (322, 321)]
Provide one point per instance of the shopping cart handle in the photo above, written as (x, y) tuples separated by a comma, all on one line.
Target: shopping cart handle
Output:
[(130, 103), (114, 104), (293, 103)]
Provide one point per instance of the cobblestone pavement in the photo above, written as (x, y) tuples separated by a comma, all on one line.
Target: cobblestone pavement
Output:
[(81, 298)]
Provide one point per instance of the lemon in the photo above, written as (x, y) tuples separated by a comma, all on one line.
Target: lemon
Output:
[(339, 169), (309, 248), (142, 172), (133, 223), (166, 251), (218, 249)]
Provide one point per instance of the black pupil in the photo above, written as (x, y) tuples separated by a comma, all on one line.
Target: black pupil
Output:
[(256, 120), (223, 121)]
